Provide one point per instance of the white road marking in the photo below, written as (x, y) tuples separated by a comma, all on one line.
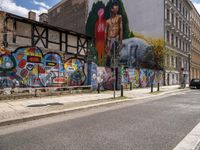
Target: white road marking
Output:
[(191, 141)]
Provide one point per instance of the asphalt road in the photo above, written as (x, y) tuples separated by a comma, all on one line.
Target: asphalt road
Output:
[(151, 124)]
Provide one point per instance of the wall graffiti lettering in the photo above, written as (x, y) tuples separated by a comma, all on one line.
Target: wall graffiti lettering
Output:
[(29, 67)]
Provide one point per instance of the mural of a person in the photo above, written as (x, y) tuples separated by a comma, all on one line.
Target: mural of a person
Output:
[(114, 33), (100, 27)]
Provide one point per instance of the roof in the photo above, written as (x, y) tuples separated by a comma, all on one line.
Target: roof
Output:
[(27, 20)]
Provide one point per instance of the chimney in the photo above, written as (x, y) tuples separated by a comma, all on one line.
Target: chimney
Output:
[(43, 18), (32, 15)]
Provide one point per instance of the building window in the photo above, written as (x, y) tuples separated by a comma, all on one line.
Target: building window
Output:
[(172, 39), (177, 42), (180, 44), (168, 36), (172, 21), (180, 24), (168, 17), (177, 3), (177, 22)]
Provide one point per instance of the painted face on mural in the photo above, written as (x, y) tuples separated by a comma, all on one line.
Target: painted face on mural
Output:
[(101, 13), (115, 9)]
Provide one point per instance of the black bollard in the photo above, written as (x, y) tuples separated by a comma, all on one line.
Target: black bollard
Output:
[(131, 86), (158, 87), (122, 90), (151, 87), (98, 88)]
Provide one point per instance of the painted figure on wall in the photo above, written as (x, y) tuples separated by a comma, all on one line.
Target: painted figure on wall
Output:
[(100, 27), (114, 33), (75, 72)]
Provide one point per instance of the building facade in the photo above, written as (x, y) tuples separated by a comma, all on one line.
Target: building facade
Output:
[(195, 52), (178, 40), (69, 14), (35, 54)]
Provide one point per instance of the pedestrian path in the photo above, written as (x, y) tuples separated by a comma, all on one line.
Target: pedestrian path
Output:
[(12, 109)]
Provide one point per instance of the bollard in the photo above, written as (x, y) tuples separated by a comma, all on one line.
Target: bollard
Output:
[(131, 86), (158, 87), (98, 88), (122, 90), (151, 87)]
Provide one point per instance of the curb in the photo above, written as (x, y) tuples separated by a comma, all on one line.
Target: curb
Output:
[(64, 111)]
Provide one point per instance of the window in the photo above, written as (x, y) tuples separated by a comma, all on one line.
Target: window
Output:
[(177, 22), (168, 36), (177, 42), (172, 15), (172, 39), (180, 24), (168, 17), (177, 3), (180, 44)]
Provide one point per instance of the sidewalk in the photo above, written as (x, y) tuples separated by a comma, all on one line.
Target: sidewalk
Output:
[(13, 111)]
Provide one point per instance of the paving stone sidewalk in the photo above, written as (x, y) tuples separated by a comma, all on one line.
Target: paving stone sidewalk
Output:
[(13, 109)]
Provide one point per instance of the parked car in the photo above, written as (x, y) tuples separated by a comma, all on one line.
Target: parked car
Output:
[(195, 83)]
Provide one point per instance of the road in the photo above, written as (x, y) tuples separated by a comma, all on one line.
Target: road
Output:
[(150, 124)]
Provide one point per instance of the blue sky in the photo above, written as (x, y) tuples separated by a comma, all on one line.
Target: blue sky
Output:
[(21, 7)]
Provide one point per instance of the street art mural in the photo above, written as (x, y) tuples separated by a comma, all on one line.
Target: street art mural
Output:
[(136, 52), (29, 67), (75, 72), (105, 78), (92, 75), (108, 24), (142, 77)]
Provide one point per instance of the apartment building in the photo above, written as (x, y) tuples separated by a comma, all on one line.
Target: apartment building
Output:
[(195, 51)]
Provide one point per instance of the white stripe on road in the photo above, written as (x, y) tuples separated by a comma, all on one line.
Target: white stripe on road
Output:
[(191, 141)]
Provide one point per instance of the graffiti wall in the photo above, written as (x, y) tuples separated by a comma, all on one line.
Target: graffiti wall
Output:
[(142, 77), (29, 67)]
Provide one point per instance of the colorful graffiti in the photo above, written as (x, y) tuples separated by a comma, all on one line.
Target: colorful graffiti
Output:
[(29, 67), (75, 72), (142, 77), (105, 78)]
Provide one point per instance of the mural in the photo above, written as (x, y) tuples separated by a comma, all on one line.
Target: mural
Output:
[(142, 77), (136, 52), (105, 78), (92, 75), (75, 72), (29, 67), (108, 24)]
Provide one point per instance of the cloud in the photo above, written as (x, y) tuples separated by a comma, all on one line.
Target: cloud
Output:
[(197, 5), (11, 7), (41, 4)]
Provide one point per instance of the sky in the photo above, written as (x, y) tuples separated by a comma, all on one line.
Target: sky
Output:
[(22, 7)]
